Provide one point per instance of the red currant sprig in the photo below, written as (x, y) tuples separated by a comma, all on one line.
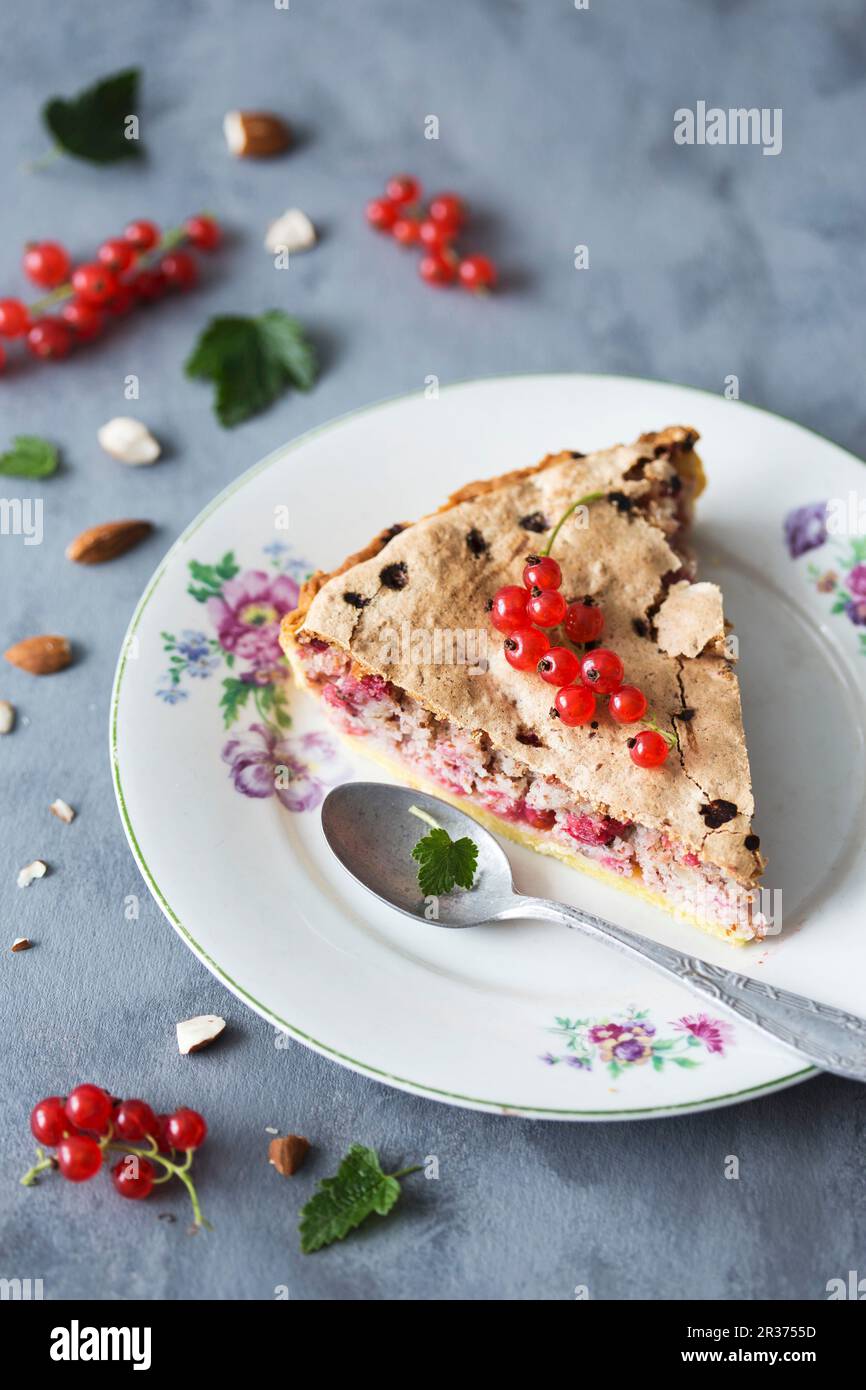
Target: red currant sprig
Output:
[(398, 213), (524, 612), (85, 1128), (137, 267)]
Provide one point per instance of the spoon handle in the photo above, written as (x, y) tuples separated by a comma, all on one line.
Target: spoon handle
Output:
[(831, 1038)]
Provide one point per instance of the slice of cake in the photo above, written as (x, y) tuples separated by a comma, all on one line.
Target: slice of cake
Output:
[(622, 753)]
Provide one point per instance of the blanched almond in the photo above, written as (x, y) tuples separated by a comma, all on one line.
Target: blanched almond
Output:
[(42, 655), (62, 810), (128, 440), (100, 543), (195, 1033), (38, 869), (292, 232), (7, 717), (255, 134)]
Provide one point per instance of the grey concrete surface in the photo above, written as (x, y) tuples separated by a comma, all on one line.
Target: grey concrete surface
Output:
[(558, 125)]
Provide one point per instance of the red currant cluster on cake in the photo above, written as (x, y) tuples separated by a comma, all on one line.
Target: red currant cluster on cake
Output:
[(527, 612), (133, 269), (432, 230), (88, 1125)]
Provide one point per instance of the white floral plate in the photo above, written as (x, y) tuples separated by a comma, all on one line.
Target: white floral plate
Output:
[(219, 770)]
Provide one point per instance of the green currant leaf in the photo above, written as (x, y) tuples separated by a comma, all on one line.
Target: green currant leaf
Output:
[(252, 361), (444, 862), (91, 125), (343, 1202), (29, 457)]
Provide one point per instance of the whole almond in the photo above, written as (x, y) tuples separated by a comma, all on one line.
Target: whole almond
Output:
[(255, 134), (100, 543), (41, 656)]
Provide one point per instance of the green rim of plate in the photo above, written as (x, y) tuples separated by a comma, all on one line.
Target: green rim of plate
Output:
[(406, 1083)]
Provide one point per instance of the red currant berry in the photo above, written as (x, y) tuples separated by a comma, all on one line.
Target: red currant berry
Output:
[(559, 666), (574, 704), (627, 705), (186, 1129), (381, 214), (48, 1121), (434, 235), (163, 1143), (133, 1177), (405, 231), (79, 1157), (83, 316), (402, 188), (509, 608), (525, 647), (448, 209), (49, 337), (584, 621), (541, 572), (94, 282), (204, 232), (149, 285), (602, 671), (134, 1120), (436, 269), (117, 254), (546, 607), (540, 820), (89, 1107), (179, 269), (47, 264), (122, 301), (648, 749), (477, 273), (14, 318), (143, 235)]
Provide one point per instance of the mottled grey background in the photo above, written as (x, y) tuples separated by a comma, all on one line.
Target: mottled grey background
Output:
[(557, 124)]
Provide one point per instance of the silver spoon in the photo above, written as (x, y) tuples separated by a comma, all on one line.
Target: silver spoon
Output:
[(372, 831)]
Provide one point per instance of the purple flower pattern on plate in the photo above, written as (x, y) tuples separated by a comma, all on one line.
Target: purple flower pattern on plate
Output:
[(825, 524), (632, 1040), (296, 769), (245, 608)]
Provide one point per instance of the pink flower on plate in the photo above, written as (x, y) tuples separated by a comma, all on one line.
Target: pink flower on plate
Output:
[(605, 1032), (857, 581), (295, 768), (247, 615), (712, 1032)]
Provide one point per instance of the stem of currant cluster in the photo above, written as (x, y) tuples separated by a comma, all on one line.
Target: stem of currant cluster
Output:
[(581, 502), (41, 1167), (172, 1170), (173, 237), (650, 723)]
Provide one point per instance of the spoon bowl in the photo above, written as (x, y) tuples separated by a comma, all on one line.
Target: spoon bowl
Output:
[(372, 831)]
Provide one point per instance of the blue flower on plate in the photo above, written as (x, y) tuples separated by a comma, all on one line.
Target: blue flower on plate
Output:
[(171, 694)]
